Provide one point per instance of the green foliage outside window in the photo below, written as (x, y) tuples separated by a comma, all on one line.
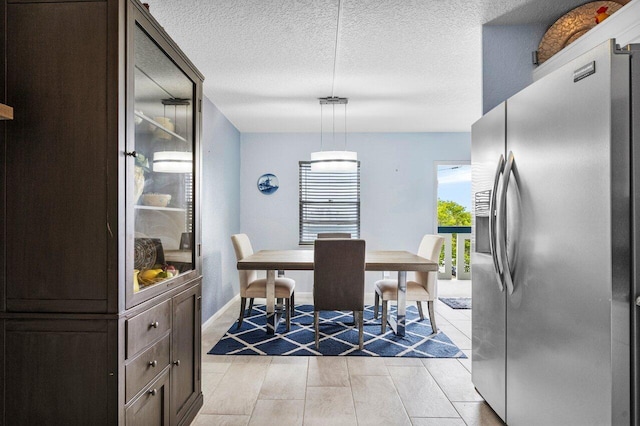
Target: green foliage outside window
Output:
[(451, 213)]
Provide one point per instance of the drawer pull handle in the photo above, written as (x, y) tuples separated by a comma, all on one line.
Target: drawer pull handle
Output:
[(176, 363), (153, 392), (154, 324), (153, 363)]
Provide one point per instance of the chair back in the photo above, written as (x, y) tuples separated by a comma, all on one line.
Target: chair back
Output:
[(338, 275), (242, 247), (430, 249), (334, 235)]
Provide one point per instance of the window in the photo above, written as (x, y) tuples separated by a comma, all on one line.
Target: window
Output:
[(329, 202)]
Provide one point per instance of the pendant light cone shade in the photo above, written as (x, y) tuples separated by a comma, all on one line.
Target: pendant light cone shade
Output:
[(334, 161), (173, 162)]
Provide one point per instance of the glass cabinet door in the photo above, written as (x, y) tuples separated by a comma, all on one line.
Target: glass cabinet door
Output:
[(163, 175)]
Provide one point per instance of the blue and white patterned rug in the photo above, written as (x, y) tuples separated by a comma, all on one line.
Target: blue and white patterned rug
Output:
[(457, 302), (337, 337)]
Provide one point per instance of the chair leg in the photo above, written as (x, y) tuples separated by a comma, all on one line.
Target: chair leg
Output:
[(286, 309), (293, 304), (419, 303), (432, 316), (250, 306), (243, 305), (360, 329), (316, 327), (376, 304), (383, 323)]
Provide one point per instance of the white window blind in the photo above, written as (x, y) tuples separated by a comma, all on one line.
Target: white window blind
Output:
[(189, 200), (329, 202)]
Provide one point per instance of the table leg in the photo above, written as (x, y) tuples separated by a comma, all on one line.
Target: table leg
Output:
[(272, 320), (398, 323)]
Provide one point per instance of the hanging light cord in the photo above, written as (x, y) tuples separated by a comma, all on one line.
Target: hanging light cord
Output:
[(335, 52), (333, 136), (320, 127), (345, 127), (333, 87), (333, 84)]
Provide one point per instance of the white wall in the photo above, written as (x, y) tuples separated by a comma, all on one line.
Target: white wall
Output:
[(220, 208), (397, 188)]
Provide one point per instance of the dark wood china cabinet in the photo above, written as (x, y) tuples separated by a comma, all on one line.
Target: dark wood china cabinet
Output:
[(100, 285)]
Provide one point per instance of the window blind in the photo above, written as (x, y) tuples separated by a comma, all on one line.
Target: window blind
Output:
[(189, 201), (329, 202)]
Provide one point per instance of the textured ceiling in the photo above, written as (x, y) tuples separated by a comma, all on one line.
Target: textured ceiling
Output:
[(405, 65)]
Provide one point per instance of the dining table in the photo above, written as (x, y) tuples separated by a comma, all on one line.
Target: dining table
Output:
[(302, 260)]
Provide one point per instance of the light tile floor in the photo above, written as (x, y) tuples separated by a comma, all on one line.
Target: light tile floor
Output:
[(272, 390)]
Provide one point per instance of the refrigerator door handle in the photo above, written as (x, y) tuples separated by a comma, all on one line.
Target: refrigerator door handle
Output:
[(502, 215), (492, 224)]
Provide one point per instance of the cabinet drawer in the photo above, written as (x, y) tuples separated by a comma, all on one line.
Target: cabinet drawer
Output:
[(152, 407), (147, 326), (146, 366)]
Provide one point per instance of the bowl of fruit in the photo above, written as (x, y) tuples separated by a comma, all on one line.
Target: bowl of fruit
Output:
[(156, 274)]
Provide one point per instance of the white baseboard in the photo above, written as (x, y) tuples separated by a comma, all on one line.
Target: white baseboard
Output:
[(220, 311)]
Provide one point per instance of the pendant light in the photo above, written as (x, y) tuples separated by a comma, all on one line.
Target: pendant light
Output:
[(172, 160), (334, 161)]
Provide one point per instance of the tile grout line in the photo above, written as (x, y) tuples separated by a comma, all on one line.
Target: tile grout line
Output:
[(262, 384), (468, 337), (443, 391), (399, 396), (353, 399), (306, 389)]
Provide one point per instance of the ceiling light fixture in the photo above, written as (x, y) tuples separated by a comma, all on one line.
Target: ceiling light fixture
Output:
[(173, 159), (334, 161), (173, 162)]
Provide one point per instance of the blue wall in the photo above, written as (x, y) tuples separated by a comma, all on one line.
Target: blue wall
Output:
[(507, 64), (220, 195), (397, 194), (398, 187)]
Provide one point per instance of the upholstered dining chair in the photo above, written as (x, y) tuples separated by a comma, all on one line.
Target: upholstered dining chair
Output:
[(334, 235), (251, 286), (421, 286), (338, 280)]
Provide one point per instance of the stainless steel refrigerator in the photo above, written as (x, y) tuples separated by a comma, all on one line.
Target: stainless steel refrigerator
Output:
[(556, 207)]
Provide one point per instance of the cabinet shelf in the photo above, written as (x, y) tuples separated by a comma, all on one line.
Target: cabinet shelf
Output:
[(6, 112), (166, 209), (158, 125)]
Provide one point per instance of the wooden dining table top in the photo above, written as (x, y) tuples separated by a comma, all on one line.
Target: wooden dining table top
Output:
[(302, 260)]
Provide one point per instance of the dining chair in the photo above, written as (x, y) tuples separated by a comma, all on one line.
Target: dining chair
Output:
[(334, 235), (251, 286), (421, 286), (338, 280)]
